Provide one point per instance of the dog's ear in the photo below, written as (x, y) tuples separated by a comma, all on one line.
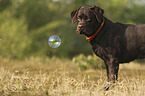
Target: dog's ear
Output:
[(98, 12), (74, 15)]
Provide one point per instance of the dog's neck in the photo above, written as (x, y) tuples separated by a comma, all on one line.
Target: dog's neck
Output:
[(103, 34), (102, 28), (98, 30)]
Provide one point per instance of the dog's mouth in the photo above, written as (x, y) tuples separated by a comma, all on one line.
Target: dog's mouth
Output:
[(79, 29), (81, 32), (78, 32)]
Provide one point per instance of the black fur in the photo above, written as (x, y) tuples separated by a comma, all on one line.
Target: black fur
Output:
[(115, 43)]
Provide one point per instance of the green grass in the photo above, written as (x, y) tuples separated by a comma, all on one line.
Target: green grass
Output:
[(60, 77)]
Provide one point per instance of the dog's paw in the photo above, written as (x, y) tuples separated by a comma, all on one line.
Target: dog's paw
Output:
[(109, 86)]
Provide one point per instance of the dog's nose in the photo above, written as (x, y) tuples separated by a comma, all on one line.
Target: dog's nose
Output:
[(80, 26)]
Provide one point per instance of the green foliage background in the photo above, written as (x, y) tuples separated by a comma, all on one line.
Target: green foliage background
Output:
[(26, 25)]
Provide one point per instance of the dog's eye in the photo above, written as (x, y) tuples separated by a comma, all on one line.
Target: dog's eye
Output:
[(79, 19), (88, 19)]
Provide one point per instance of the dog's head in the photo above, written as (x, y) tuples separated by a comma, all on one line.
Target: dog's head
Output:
[(89, 19)]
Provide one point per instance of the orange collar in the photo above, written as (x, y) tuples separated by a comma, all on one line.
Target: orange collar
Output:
[(93, 36)]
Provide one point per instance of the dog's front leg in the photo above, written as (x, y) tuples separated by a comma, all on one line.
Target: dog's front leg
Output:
[(112, 67)]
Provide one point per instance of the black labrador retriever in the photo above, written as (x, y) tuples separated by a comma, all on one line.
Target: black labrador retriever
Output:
[(113, 42)]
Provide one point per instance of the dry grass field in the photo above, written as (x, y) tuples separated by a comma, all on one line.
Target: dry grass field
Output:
[(61, 77)]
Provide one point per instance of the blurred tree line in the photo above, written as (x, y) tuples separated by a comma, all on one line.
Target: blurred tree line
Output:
[(26, 25)]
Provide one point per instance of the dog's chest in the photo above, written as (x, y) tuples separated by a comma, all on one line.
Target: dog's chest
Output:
[(103, 52)]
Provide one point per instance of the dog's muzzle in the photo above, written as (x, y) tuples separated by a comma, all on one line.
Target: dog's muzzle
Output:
[(79, 29)]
